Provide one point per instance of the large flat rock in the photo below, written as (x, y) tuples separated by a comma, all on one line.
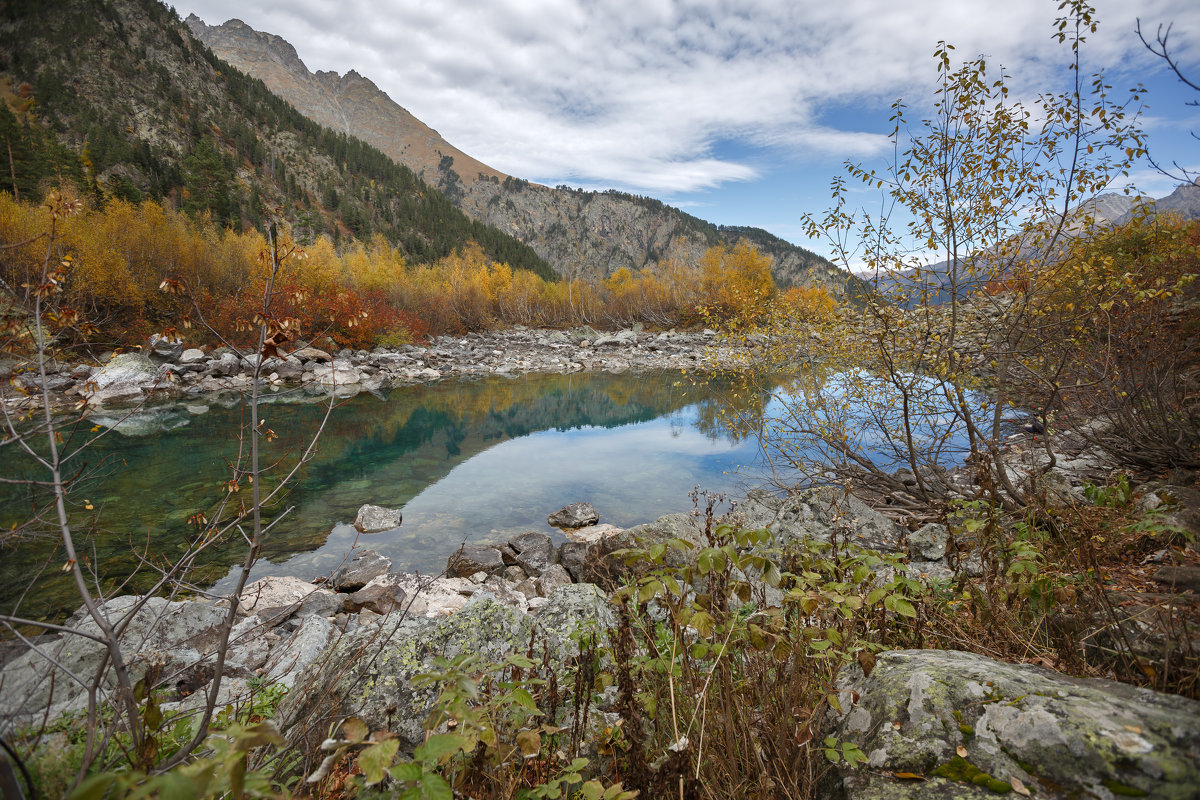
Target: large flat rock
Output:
[(1058, 736)]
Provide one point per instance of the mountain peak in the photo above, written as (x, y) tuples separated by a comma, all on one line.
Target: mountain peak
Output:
[(349, 103), (578, 233)]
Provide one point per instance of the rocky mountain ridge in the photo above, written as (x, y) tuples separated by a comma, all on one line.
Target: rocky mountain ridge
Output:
[(142, 110), (587, 234), (350, 103), (1109, 209)]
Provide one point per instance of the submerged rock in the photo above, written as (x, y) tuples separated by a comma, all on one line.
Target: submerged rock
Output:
[(373, 519)]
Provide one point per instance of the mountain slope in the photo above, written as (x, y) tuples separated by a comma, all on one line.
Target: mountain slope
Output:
[(1104, 210), (151, 112), (349, 103), (579, 233)]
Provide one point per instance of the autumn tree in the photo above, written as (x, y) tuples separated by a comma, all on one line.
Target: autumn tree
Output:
[(987, 185)]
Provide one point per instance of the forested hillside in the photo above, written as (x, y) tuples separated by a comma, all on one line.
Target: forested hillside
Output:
[(579, 233), (117, 98)]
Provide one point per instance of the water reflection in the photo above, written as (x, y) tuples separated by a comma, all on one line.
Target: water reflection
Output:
[(467, 461)]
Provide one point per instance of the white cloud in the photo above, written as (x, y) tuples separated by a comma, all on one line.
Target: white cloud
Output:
[(641, 92)]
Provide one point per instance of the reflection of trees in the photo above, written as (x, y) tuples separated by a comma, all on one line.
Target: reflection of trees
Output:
[(733, 408), (406, 442)]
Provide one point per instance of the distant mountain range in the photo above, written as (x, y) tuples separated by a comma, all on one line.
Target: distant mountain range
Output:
[(590, 234), (1105, 209)]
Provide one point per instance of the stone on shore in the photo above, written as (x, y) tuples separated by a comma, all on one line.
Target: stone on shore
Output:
[(371, 676), (311, 354), (305, 646), (126, 377), (276, 598), (1060, 737), (382, 597), (928, 543), (174, 635), (532, 552), (472, 558), (818, 514), (360, 570), (592, 534)]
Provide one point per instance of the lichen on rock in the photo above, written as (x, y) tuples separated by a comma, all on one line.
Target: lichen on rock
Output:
[(1062, 736)]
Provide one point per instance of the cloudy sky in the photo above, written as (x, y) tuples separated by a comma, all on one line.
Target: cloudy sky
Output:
[(739, 111)]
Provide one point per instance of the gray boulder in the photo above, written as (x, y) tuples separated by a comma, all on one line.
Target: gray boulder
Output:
[(193, 355), (928, 543), (126, 377), (532, 552), (370, 672), (373, 519), (173, 635), (583, 333), (472, 558), (225, 365), (553, 578), (311, 354), (1059, 737), (287, 368), (305, 646), (378, 596), (360, 570), (576, 515), (573, 557), (570, 609), (590, 562), (818, 514), (162, 349), (276, 598)]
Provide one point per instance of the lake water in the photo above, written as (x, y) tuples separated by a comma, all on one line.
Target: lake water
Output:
[(467, 461)]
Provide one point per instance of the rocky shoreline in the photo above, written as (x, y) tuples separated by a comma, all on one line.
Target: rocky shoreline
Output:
[(357, 637), (352, 641), (168, 368)]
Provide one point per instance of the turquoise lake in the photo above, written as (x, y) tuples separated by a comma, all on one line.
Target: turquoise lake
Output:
[(467, 461)]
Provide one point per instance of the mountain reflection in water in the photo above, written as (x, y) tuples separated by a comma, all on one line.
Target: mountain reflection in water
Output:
[(468, 461)]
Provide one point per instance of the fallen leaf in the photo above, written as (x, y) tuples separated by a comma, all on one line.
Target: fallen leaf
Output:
[(962, 751), (1133, 729), (1019, 787), (908, 776)]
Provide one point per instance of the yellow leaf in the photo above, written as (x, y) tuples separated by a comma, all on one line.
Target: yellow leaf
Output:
[(1019, 787), (530, 743), (962, 751), (908, 776)]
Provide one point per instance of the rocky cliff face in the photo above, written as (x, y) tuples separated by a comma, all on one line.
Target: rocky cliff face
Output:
[(586, 234), (347, 103)]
